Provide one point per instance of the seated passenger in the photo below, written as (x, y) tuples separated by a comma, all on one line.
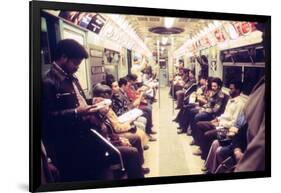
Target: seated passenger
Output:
[(123, 129), (134, 92), (211, 109), (191, 101), (181, 93), (137, 101), (121, 104), (150, 82), (128, 146), (206, 131), (175, 80), (235, 149), (149, 78), (253, 158), (124, 136), (179, 82), (214, 98)]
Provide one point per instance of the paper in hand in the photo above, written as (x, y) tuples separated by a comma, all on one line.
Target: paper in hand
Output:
[(130, 115)]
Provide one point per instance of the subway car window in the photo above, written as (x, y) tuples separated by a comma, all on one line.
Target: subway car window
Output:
[(251, 76), (50, 33), (45, 49), (231, 73), (259, 55), (242, 56), (246, 64)]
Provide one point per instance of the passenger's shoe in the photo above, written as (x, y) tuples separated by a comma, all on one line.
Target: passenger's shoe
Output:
[(153, 132), (197, 152), (145, 147), (188, 132), (180, 131), (145, 170), (204, 169), (151, 139), (192, 142)]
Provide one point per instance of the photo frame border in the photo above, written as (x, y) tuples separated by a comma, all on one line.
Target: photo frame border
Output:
[(35, 91)]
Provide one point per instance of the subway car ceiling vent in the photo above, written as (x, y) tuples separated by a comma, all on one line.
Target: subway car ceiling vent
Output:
[(163, 30), (184, 20), (151, 19), (142, 18), (155, 19)]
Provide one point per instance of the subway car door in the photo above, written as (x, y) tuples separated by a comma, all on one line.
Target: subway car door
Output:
[(97, 72), (71, 32), (163, 74)]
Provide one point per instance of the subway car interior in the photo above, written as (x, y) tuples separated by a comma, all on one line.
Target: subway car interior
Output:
[(134, 96)]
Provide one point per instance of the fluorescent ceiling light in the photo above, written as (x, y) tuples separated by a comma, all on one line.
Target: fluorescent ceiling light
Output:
[(211, 26), (164, 40), (206, 30), (217, 23), (169, 22)]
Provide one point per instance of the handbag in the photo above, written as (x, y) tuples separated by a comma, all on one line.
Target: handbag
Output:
[(222, 137)]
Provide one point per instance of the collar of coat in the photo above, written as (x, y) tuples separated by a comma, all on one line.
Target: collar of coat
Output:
[(61, 74)]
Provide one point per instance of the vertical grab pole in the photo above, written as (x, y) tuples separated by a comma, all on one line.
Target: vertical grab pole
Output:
[(173, 91), (158, 59)]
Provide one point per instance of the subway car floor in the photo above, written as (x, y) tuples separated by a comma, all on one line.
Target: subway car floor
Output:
[(171, 154)]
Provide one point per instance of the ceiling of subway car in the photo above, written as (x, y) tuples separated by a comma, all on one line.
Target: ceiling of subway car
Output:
[(179, 35), (149, 29), (143, 25)]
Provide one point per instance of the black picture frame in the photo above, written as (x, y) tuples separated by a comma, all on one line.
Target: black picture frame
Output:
[(36, 91)]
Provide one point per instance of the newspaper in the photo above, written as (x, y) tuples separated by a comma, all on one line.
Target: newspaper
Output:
[(130, 115)]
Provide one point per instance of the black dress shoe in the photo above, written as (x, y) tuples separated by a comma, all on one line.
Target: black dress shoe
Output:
[(192, 142), (145, 170), (153, 132), (145, 147), (151, 138), (204, 169), (180, 131)]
